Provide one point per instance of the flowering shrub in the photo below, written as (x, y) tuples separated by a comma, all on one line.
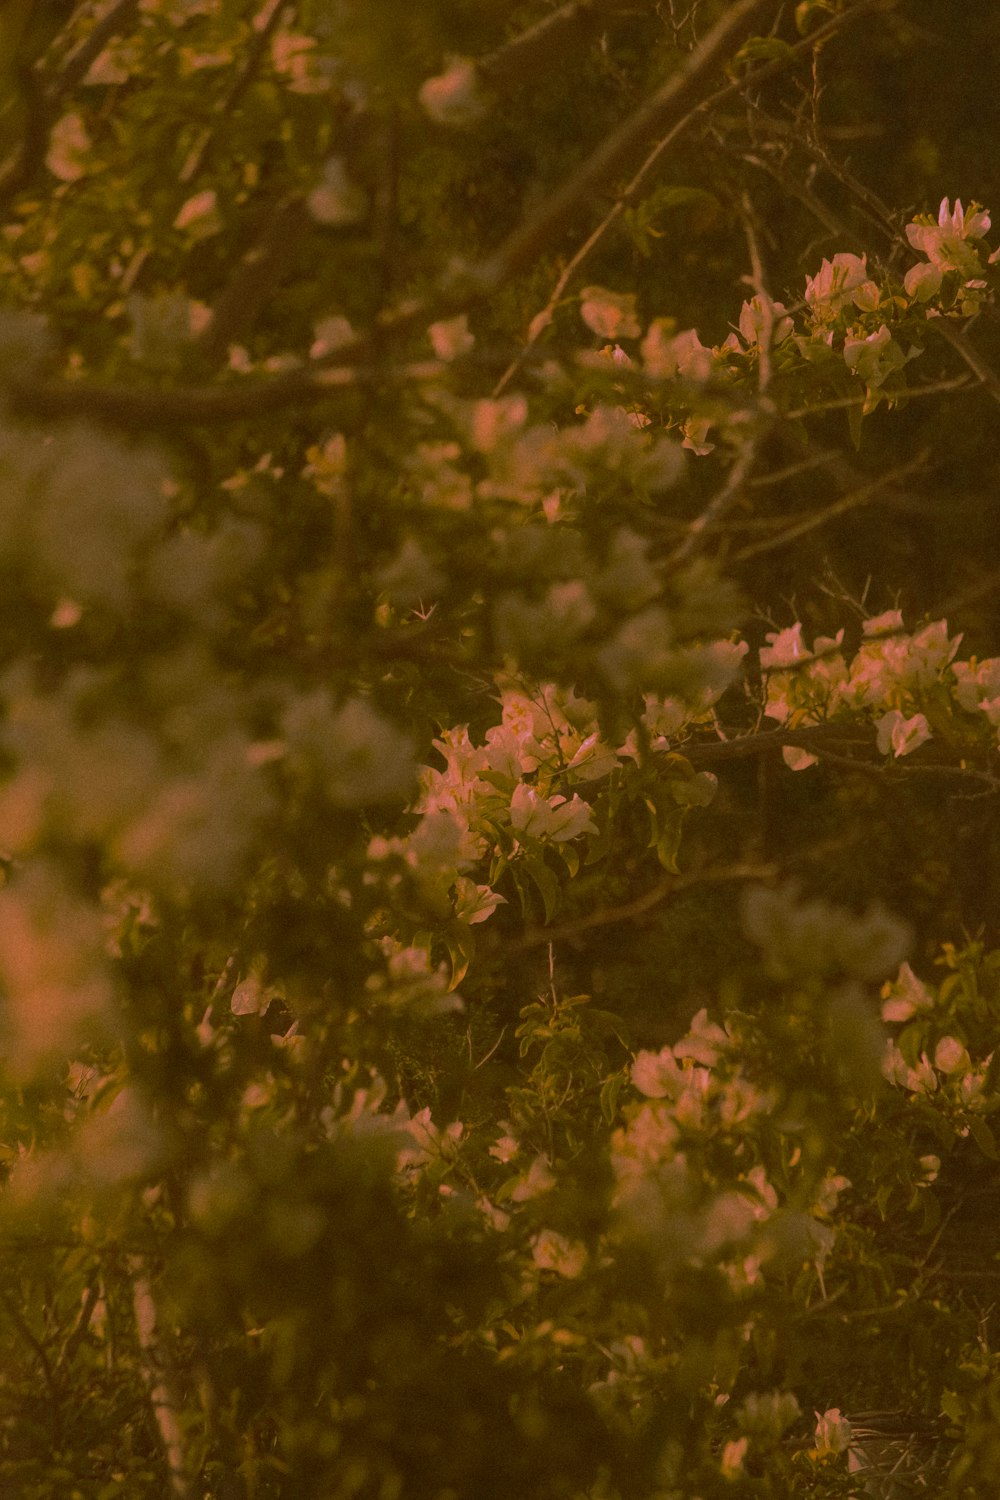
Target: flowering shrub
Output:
[(429, 1069)]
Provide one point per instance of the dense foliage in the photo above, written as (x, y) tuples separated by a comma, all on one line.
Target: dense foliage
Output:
[(499, 964)]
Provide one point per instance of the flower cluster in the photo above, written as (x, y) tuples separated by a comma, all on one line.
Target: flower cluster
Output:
[(899, 680), (853, 327), (506, 801)]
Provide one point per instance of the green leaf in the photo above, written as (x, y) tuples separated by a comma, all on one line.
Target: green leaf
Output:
[(932, 1213), (810, 9), (703, 208), (610, 1092), (608, 1023), (669, 842), (546, 884), (984, 1137), (953, 1406), (460, 942), (765, 49), (517, 875)]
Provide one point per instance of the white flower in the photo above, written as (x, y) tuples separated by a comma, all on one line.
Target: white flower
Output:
[(554, 1252), (454, 97), (657, 1074), (704, 1042), (946, 243), (553, 818), (794, 758), (733, 1454), (336, 199), (330, 334), (900, 734), (494, 421), (428, 1141), (474, 903), (874, 357), (538, 1179), (694, 361), (695, 431), (883, 624), (923, 281), (950, 1056), (754, 319), (451, 337), (200, 216), (919, 1080), (505, 1148), (611, 315), (904, 996), (658, 350), (835, 284), (978, 682), (784, 647), (833, 1433), (69, 148)]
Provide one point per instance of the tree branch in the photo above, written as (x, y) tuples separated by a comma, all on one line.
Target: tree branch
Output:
[(630, 193), (610, 916), (672, 106), (655, 116), (262, 267), (78, 64), (863, 496), (163, 1400), (265, 24)]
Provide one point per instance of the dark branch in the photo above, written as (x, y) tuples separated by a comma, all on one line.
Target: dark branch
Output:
[(654, 117), (78, 64)]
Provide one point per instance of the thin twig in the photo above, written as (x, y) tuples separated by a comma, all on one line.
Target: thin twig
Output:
[(966, 351), (24, 1329), (148, 408), (910, 393), (759, 284), (721, 502), (613, 915), (91, 1298), (19, 169), (864, 496)]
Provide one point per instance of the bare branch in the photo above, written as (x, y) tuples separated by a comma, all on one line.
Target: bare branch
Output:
[(863, 496), (77, 1334), (721, 502), (18, 170), (261, 270), (610, 916), (141, 408), (966, 351)]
